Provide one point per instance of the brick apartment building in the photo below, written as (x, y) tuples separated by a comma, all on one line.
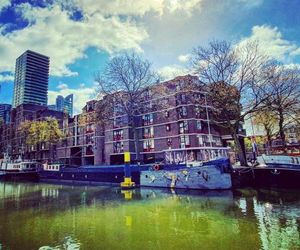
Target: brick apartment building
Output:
[(179, 127), (11, 140), (179, 130)]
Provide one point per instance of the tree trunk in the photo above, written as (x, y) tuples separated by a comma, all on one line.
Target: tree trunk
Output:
[(240, 151), (281, 131)]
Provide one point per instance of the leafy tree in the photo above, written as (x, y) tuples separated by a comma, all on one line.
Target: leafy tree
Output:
[(268, 120), (39, 132)]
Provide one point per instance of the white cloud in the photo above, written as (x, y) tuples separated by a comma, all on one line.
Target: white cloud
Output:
[(62, 86), (171, 71), (81, 96), (271, 42), (4, 4), (52, 32), (184, 58), (6, 77), (131, 7)]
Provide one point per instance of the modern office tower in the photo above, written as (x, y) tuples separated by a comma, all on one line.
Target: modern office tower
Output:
[(60, 103), (65, 104), (31, 79), (5, 112)]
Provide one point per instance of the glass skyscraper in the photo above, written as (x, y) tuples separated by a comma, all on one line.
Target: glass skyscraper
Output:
[(5, 112), (65, 104), (31, 79)]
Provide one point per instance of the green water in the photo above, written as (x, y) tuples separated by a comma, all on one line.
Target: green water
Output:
[(44, 216)]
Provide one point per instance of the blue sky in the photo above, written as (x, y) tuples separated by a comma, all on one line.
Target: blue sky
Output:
[(80, 36)]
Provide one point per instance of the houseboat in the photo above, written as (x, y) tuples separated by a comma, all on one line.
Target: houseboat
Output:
[(178, 171), (18, 169), (210, 172), (111, 175), (271, 171)]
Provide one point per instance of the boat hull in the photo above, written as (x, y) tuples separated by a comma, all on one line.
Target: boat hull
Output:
[(96, 175), (266, 177), (19, 176), (204, 178)]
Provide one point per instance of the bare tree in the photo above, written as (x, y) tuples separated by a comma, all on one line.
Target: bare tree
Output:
[(232, 75), (123, 85), (284, 102)]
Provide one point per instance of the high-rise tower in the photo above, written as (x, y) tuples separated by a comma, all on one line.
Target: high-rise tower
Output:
[(31, 79), (65, 104)]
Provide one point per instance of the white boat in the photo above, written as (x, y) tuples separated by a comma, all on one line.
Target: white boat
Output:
[(279, 161), (19, 165)]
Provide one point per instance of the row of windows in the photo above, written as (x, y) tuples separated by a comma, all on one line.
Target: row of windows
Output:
[(184, 142)]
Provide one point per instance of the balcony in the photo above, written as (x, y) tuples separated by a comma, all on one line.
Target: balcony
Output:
[(148, 136), (148, 149), (118, 137)]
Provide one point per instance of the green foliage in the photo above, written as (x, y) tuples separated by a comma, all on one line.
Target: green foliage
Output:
[(260, 141), (36, 132)]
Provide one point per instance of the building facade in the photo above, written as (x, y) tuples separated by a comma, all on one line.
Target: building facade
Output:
[(180, 129), (31, 79), (13, 142), (5, 112), (173, 124)]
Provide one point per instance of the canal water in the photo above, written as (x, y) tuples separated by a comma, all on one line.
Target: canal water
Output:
[(47, 216)]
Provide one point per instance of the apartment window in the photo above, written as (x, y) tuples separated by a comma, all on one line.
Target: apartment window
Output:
[(169, 142), (184, 141), (147, 94), (168, 127), (118, 135), (90, 128), (200, 140), (167, 114), (182, 112), (198, 125), (217, 140), (183, 127), (206, 140), (118, 147), (148, 132), (197, 110), (89, 139), (120, 121), (147, 119), (148, 145), (118, 109)]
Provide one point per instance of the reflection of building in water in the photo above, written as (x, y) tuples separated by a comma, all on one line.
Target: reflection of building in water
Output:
[(277, 224), (50, 192), (15, 190)]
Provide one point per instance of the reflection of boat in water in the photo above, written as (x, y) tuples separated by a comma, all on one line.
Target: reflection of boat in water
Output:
[(18, 169), (273, 171), (213, 174)]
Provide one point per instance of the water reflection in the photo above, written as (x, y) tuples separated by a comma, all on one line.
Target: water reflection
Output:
[(43, 216)]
